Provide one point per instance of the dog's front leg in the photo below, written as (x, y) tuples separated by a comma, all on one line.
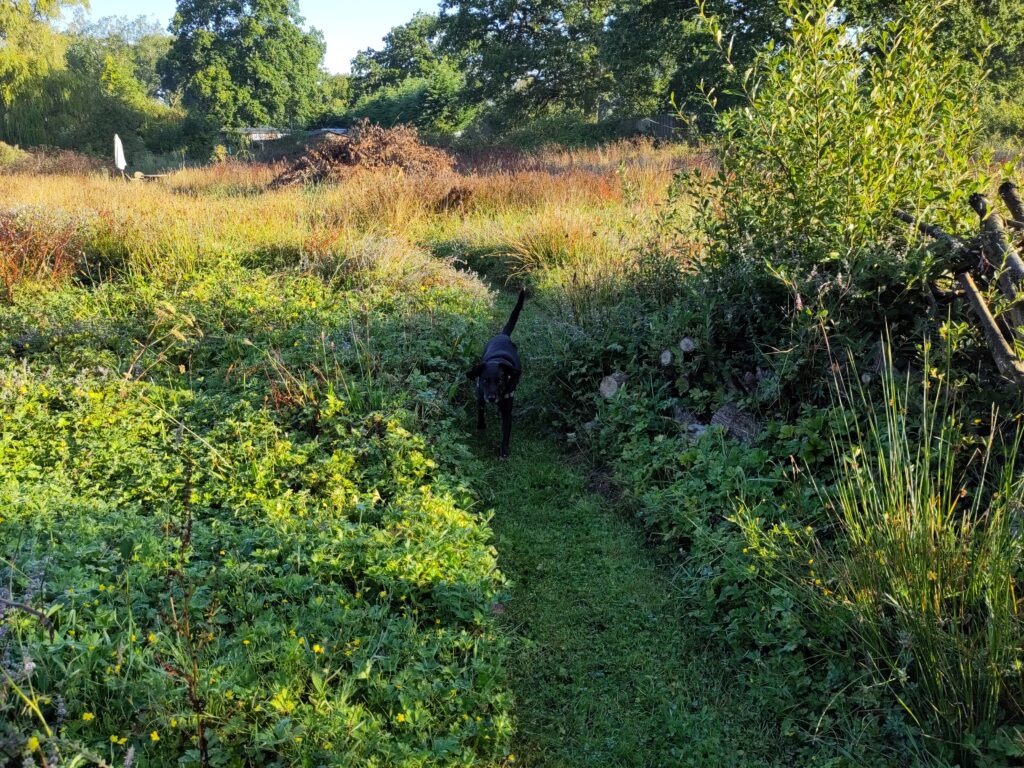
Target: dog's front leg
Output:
[(505, 408), (480, 423)]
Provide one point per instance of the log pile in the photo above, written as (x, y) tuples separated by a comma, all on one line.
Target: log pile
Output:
[(992, 256)]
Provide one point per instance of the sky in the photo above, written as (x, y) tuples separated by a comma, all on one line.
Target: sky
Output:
[(348, 25)]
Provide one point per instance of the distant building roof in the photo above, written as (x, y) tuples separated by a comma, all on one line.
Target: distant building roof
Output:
[(262, 133), (335, 131)]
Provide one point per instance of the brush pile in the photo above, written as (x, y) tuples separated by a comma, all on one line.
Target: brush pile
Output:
[(370, 147)]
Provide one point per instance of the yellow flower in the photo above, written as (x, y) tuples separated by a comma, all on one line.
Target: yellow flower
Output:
[(400, 718), (154, 736), (245, 642), (317, 648), (174, 722), (151, 637), (88, 716), (102, 588), (32, 744)]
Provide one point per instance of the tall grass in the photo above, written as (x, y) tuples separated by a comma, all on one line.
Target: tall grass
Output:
[(916, 570), (931, 522)]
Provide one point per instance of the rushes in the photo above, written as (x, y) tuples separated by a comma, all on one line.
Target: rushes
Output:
[(929, 578), (915, 571)]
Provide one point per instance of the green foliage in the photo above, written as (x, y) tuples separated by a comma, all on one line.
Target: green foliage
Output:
[(107, 84), (527, 59), (410, 51), (841, 128), (234, 497), (243, 63), (30, 47), (433, 103), (921, 578)]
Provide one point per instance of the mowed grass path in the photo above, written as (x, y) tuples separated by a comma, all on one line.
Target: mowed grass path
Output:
[(606, 669)]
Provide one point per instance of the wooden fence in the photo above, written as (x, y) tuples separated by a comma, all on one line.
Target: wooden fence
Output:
[(990, 256)]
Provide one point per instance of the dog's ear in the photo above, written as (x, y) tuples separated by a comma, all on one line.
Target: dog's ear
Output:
[(474, 372)]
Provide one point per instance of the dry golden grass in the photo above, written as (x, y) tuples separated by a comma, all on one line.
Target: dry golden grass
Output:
[(557, 210)]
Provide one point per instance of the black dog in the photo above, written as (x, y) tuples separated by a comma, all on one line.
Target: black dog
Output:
[(497, 375)]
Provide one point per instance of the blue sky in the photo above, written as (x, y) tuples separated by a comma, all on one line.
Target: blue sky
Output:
[(348, 25)]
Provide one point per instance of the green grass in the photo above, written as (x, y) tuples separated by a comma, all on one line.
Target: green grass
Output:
[(606, 670)]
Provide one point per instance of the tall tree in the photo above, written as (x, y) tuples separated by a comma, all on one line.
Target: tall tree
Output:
[(676, 56), (410, 50), (244, 62), (530, 57), (137, 44), (29, 46)]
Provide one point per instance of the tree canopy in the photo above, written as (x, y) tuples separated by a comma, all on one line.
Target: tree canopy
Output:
[(244, 62)]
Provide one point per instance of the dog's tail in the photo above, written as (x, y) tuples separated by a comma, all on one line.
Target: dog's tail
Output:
[(514, 317)]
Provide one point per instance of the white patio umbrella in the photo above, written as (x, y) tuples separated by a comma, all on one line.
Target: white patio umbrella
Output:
[(119, 160)]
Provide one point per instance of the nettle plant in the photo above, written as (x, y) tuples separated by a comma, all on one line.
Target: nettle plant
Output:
[(837, 127)]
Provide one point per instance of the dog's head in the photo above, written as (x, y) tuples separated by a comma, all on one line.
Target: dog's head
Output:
[(491, 379)]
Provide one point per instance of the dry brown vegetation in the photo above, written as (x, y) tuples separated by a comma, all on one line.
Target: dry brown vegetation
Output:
[(370, 148), (564, 213)]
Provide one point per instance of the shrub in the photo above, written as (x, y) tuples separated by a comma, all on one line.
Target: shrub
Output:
[(839, 128)]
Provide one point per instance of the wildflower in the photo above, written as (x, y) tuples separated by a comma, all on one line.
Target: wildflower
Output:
[(87, 716), (32, 744), (151, 637), (932, 576), (154, 736), (317, 648), (400, 717), (174, 722), (245, 642)]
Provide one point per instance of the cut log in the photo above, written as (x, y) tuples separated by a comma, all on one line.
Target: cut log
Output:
[(929, 229), (665, 358), (1011, 196), (687, 345), (612, 383), (1001, 253), (1007, 362)]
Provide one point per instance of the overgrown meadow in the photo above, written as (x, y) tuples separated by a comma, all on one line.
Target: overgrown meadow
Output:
[(242, 519), (238, 523)]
